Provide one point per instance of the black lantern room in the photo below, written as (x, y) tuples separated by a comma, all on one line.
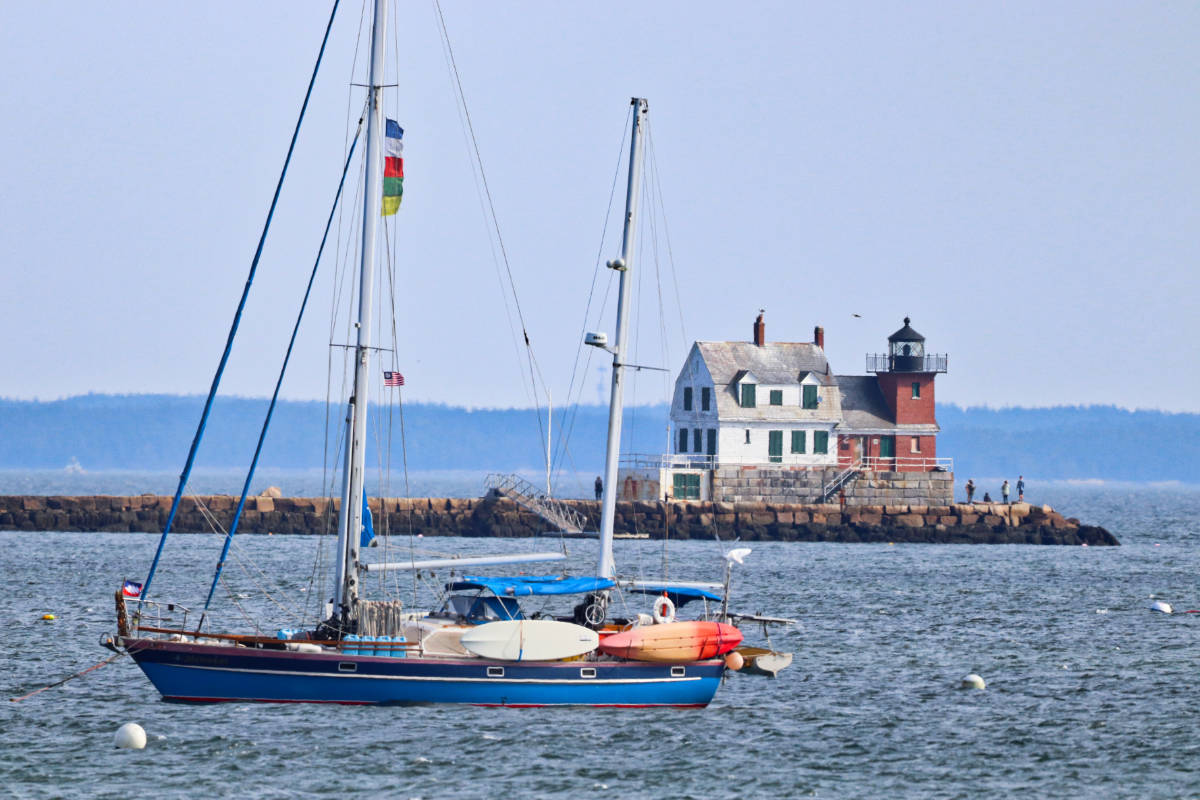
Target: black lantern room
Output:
[(906, 353), (906, 350)]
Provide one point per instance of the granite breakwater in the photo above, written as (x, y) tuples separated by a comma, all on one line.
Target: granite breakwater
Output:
[(976, 523)]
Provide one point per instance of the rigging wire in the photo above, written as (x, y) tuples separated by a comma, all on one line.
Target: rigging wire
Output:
[(262, 436), (216, 382), (338, 267), (465, 114), (565, 430)]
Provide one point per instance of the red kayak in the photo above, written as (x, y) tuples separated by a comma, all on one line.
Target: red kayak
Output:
[(673, 641)]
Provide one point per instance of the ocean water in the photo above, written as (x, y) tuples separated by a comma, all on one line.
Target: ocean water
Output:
[(1089, 694)]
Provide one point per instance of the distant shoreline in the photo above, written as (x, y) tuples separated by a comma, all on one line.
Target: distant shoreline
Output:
[(458, 483), (116, 432)]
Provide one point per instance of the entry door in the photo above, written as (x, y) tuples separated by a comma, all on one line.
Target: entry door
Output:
[(775, 446)]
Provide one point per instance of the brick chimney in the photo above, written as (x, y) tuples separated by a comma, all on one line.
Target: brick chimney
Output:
[(819, 337), (760, 330)]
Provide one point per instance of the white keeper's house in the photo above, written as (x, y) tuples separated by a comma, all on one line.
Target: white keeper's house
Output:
[(771, 421)]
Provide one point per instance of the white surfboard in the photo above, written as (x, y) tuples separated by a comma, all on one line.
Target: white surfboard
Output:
[(530, 640)]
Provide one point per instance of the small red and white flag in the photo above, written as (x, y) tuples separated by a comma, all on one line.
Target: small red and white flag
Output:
[(393, 379), (131, 589)]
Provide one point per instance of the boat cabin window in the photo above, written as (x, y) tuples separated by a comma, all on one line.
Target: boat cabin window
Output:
[(484, 609)]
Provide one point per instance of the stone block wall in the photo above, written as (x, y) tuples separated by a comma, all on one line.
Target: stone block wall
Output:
[(977, 523), (784, 485)]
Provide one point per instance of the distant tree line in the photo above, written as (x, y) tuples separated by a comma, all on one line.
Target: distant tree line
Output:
[(153, 432)]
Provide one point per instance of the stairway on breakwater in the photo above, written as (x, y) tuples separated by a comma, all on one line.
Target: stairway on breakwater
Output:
[(976, 523)]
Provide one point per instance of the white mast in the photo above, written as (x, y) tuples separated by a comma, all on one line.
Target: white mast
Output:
[(350, 519), (608, 503)]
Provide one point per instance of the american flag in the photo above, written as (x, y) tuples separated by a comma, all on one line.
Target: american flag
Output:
[(393, 379)]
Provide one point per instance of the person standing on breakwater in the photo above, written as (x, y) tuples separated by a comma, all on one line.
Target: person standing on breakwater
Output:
[(1004, 490), (599, 487), (970, 490), (1020, 488)]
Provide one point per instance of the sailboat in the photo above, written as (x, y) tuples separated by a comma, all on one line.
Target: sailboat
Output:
[(479, 648)]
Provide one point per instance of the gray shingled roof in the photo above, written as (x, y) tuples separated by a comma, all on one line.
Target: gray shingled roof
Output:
[(774, 363), (864, 407)]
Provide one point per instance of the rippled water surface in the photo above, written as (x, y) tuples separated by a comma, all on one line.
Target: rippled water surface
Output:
[(1089, 693)]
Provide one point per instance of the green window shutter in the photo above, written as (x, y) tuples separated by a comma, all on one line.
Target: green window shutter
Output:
[(820, 441), (712, 442), (775, 446), (916, 394), (687, 487), (696, 443), (798, 441), (683, 440), (887, 447), (748, 398), (705, 398), (776, 397), (687, 398), (810, 397)]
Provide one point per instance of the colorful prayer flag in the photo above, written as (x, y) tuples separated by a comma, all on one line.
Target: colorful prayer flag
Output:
[(393, 167), (393, 379), (131, 589)]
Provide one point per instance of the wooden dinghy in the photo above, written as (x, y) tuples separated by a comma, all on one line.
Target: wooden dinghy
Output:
[(673, 641), (762, 661)]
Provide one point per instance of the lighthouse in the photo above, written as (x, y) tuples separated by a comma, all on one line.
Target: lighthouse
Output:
[(905, 376)]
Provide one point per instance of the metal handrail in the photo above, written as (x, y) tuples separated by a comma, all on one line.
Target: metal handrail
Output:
[(531, 498), (905, 463), (884, 362), (842, 478)]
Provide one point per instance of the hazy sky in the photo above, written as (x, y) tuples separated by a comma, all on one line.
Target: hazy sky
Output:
[(1020, 178)]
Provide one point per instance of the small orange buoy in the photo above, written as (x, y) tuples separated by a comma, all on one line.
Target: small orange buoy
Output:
[(47, 617), (734, 661)]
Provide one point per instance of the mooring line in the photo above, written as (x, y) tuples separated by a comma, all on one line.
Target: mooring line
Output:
[(108, 660)]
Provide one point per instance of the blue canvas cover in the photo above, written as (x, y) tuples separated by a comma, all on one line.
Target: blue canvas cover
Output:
[(679, 595), (525, 585)]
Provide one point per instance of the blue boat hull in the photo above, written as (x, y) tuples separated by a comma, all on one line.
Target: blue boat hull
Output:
[(201, 673)]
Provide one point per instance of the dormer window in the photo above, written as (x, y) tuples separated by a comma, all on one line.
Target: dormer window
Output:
[(810, 397), (748, 395)]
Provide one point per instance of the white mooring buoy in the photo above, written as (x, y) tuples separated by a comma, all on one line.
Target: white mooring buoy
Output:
[(130, 736), (1159, 605), (972, 681)]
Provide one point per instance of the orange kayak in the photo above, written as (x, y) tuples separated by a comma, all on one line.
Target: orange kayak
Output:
[(673, 641)]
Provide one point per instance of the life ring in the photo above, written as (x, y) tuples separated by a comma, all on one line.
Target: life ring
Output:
[(664, 610)]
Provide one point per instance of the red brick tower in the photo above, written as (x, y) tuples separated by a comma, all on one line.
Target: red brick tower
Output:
[(905, 375)]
